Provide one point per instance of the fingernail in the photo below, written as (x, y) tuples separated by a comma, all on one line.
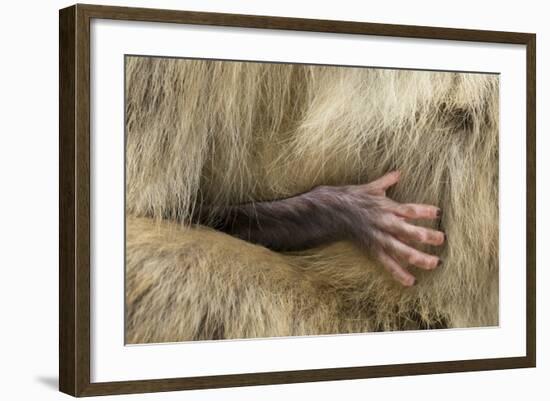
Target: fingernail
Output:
[(444, 237), (440, 262), (438, 214)]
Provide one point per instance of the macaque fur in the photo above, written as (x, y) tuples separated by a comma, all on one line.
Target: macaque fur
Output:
[(222, 133)]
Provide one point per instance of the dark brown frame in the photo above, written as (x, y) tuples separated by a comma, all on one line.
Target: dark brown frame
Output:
[(74, 199)]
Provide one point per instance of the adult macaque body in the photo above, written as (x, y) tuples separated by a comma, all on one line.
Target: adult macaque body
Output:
[(360, 213), (260, 151)]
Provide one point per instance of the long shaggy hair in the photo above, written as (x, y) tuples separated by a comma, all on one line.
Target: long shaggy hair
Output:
[(218, 132)]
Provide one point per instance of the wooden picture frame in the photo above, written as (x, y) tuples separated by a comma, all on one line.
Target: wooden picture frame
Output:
[(74, 201)]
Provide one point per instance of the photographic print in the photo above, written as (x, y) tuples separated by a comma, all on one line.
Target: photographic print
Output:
[(275, 199), (256, 200)]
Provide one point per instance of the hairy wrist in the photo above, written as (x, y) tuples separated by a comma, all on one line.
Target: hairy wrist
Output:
[(337, 208)]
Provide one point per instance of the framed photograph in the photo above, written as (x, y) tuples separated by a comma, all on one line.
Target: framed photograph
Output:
[(250, 200)]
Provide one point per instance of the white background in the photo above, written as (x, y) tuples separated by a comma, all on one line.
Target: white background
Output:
[(28, 172), (111, 361)]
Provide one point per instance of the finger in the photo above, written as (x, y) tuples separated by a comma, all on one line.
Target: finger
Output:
[(403, 230), (410, 254), (384, 182), (416, 211), (397, 271)]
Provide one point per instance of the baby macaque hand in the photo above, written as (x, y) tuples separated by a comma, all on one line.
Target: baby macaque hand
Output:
[(380, 224)]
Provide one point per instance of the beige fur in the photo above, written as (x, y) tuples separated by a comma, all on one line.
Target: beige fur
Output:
[(227, 132)]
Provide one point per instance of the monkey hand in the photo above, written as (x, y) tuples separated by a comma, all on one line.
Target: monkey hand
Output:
[(368, 217)]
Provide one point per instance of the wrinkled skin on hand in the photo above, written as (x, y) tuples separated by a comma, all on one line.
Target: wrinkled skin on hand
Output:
[(381, 225)]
